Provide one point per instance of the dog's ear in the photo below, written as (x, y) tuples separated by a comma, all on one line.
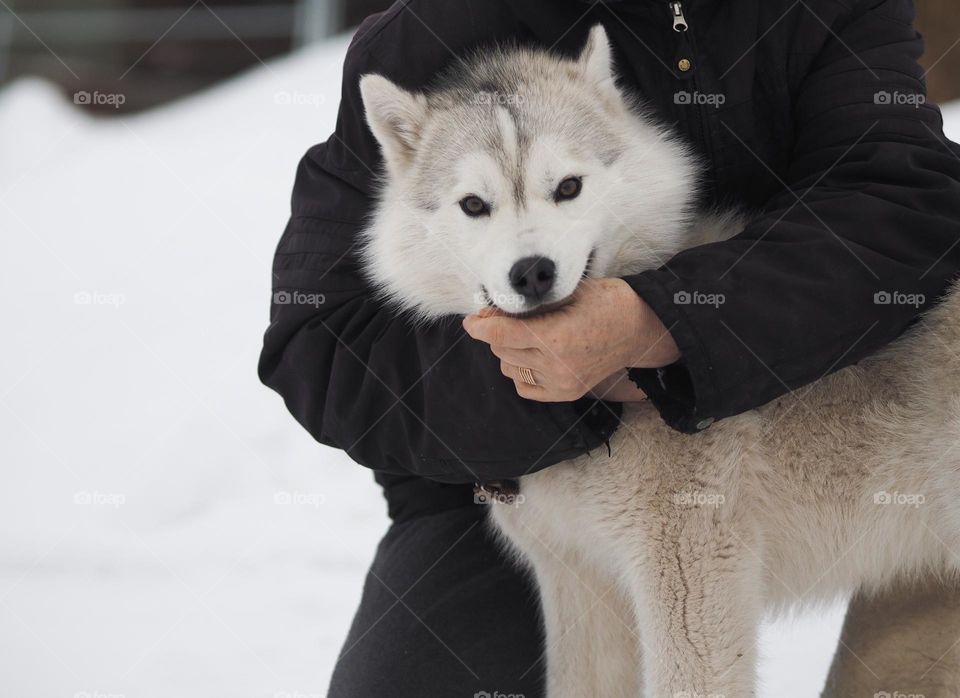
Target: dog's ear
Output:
[(597, 59), (395, 117)]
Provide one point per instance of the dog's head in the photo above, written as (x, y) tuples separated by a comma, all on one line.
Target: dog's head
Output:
[(518, 175)]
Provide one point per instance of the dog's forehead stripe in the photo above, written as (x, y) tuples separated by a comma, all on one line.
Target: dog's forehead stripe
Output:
[(512, 151)]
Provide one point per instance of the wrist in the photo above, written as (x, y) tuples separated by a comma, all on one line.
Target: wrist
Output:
[(618, 388), (651, 345)]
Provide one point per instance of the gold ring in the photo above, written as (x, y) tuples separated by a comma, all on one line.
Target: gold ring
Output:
[(526, 375)]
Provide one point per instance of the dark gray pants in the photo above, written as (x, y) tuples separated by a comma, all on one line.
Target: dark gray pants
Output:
[(466, 623)]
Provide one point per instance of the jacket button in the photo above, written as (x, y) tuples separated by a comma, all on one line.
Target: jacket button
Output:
[(684, 65), (704, 423)]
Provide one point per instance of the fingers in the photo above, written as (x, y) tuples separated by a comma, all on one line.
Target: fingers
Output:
[(501, 331), (531, 358), (517, 344), (513, 372), (532, 392), (547, 389), (524, 389)]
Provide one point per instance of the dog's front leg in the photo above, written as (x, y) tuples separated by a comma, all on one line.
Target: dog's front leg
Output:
[(698, 591), (591, 642), (592, 646)]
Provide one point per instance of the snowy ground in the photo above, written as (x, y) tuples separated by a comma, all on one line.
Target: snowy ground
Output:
[(167, 529)]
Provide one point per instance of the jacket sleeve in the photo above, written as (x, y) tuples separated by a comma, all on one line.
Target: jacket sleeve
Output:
[(863, 236), (428, 400)]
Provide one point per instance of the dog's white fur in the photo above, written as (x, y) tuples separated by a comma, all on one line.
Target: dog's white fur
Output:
[(667, 552)]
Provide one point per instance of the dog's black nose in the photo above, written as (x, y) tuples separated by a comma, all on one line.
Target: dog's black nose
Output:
[(532, 277)]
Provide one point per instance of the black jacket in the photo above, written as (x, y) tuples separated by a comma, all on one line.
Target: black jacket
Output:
[(821, 127)]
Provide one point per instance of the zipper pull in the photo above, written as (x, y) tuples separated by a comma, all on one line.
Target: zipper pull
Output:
[(679, 21), (680, 25)]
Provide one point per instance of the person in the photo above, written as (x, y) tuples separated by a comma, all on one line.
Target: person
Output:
[(811, 113)]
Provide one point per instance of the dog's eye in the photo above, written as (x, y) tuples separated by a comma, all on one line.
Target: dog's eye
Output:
[(568, 189), (474, 206)]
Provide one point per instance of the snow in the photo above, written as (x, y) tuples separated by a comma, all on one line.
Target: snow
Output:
[(168, 529)]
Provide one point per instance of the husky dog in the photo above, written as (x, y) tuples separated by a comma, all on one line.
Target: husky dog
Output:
[(657, 562)]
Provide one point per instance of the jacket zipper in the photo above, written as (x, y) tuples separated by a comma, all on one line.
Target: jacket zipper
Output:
[(688, 69), (679, 21)]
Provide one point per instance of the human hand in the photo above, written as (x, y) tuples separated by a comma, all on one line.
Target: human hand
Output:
[(571, 350)]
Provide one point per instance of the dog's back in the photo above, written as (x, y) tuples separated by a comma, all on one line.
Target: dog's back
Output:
[(865, 466)]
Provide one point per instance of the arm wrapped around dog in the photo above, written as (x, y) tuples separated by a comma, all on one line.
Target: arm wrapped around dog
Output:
[(396, 397), (870, 210)]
